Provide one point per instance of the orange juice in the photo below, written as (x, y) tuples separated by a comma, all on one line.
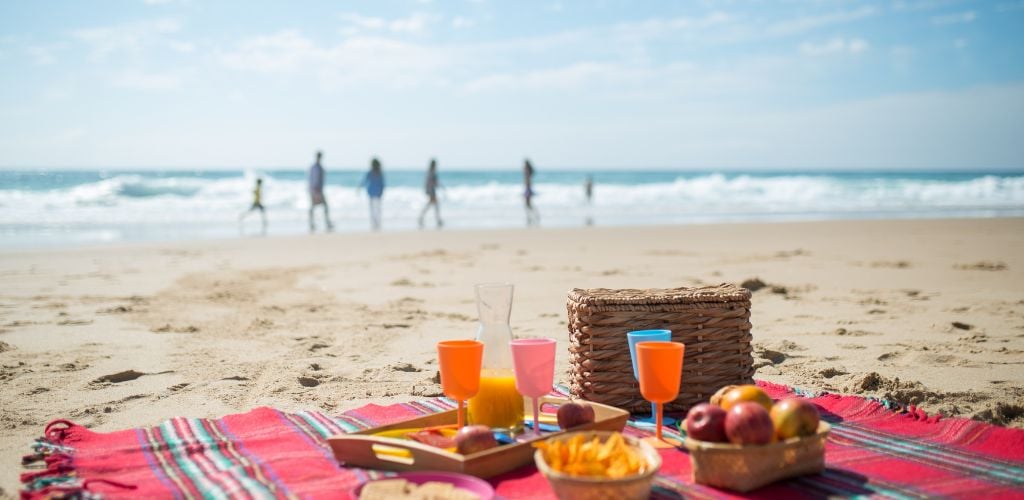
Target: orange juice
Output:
[(497, 404)]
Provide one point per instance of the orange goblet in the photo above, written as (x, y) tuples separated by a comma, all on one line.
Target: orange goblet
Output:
[(661, 366), (460, 370)]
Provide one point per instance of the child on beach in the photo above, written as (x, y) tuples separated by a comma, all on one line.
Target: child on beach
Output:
[(430, 186), (374, 184), (257, 204)]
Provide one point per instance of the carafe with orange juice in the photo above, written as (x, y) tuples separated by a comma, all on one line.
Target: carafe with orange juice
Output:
[(497, 404)]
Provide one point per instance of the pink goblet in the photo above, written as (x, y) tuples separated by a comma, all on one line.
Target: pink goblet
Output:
[(533, 362)]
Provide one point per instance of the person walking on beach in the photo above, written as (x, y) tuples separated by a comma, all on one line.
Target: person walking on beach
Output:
[(257, 194), (532, 216), (374, 184), (430, 186), (588, 193), (316, 193)]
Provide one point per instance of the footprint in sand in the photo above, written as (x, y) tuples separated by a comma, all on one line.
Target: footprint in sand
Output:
[(405, 367), (125, 376), (853, 333), (981, 266), (832, 372), (308, 382), (897, 264), (117, 378)]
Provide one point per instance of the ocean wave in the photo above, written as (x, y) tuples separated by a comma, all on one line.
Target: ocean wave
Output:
[(194, 201)]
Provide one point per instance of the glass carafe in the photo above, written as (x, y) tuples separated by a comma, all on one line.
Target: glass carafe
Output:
[(497, 404)]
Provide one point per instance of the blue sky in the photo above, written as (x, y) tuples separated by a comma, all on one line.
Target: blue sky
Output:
[(905, 84)]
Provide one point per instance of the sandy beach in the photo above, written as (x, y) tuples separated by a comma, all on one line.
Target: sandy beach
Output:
[(929, 312)]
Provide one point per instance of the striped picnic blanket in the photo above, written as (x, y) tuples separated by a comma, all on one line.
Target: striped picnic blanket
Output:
[(873, 449)]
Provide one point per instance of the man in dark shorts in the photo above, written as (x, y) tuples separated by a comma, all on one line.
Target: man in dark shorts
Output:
[(316, 193)]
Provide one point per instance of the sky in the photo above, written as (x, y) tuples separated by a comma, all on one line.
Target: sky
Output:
[(798, 85)]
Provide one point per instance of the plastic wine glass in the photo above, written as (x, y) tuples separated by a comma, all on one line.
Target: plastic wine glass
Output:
[(642, 336), (460, 361), (533, 362), (661, 366)]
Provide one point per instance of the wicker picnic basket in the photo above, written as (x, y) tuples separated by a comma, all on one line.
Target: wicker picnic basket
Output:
[(713, 322)]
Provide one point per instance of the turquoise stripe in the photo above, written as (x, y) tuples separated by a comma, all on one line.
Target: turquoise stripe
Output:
[(175, 445), (344, 424), (225, 463), (324, 432), (927, 453)]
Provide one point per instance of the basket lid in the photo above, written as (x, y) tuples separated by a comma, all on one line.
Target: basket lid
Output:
[(726, 292)]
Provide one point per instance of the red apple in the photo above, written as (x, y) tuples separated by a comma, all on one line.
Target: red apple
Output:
[(749, 423), (794, 417), (706, 422), (474, 438), (574, 414)]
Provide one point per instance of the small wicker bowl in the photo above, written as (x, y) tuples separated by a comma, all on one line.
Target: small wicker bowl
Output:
[(745, 468), (599, 488)]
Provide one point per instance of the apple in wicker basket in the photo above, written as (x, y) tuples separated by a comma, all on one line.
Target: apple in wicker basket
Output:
[(794, 417), (749, 423)]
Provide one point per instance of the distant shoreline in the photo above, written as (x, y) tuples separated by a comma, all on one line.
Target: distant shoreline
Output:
[(428, 234)]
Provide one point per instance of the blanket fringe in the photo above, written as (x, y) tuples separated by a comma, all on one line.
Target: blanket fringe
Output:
[(58, 480)]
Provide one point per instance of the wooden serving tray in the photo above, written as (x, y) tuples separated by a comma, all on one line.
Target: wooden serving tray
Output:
[(362, 449)]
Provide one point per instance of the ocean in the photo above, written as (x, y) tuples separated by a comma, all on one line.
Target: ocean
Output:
[(76, 207)]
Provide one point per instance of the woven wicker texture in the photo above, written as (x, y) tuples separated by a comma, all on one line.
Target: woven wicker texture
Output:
[(713, 323), (745, 468)]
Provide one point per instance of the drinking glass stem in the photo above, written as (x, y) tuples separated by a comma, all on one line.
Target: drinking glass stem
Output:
[(460, 418), (536, 416), (657, 422)]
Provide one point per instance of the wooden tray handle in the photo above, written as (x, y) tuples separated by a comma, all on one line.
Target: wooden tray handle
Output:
[(402, 454)]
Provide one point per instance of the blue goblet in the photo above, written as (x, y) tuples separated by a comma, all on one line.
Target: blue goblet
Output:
[(644, 336)]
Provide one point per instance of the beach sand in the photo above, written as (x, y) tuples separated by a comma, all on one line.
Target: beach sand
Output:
[(929, 312)]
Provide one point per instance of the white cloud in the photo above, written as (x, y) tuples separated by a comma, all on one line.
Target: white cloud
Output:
[(807, 23), (127, 38), (364, 22), (283, 51), (134, 79), (960, 43), (958, 18), (183, 47), (459, 22), (356, 59), (413, 24), (42, 55), (836, 45), (572, 76)]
